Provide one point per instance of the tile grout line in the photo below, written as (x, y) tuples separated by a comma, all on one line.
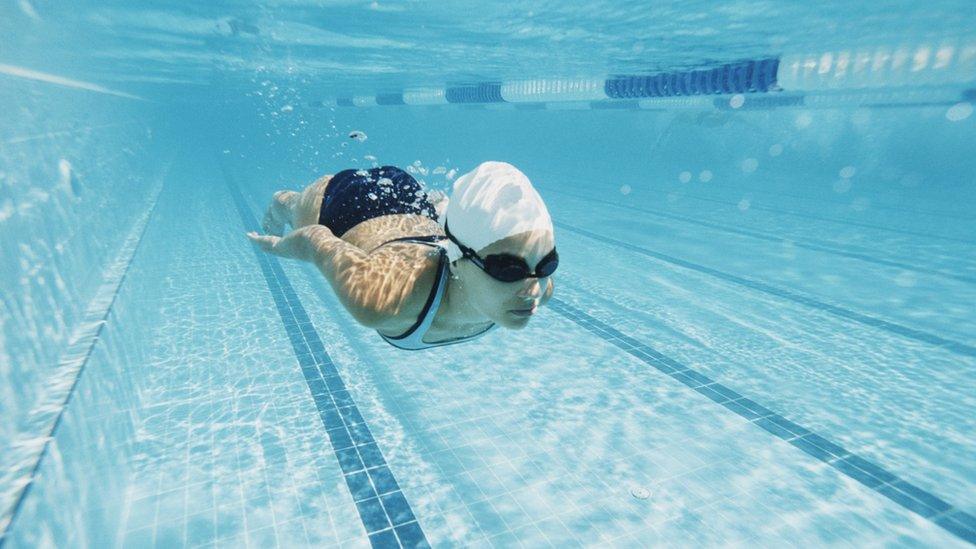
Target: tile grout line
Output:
[(908, 496), (386, 515)]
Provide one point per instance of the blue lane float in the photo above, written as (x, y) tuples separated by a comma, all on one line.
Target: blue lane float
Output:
[(742, 77), (389, 99), (485, 92)]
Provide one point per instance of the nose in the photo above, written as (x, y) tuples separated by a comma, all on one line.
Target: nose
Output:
[(532, 289)]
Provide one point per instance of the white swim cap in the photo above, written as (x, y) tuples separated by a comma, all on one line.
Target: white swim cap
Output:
[(492, 202)]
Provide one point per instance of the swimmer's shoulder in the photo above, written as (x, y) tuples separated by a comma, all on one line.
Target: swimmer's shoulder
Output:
[(405, 272)]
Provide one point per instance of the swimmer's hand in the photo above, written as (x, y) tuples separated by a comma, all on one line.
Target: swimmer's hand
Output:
[(266, 242), (305, 244)]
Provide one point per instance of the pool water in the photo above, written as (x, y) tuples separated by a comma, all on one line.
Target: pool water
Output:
[(762, 331)]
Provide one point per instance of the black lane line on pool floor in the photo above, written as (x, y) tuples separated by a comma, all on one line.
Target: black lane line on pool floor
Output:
[(813, 245), (891, 327), (909, 496), (383, 509)]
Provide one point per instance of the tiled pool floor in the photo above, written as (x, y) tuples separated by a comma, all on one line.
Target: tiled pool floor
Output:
[(548, 436)]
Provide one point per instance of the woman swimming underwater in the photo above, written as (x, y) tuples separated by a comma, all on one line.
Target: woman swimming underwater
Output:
[(422, 271)]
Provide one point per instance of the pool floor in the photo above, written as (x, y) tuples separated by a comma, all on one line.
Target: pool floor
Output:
[(264, 416)]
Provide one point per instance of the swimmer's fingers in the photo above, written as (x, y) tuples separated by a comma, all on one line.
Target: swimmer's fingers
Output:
[(264, 241)]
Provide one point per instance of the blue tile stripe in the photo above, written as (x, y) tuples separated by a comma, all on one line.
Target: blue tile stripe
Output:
[(383, 509), (909, 496), (841, 312)]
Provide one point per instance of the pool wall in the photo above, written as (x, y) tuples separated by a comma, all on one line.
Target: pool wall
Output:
[(74, 167)]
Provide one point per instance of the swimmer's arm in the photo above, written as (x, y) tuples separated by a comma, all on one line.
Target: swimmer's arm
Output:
[(360, 280), (304, 244)]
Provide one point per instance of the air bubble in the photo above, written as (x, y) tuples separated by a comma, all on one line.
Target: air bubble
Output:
[(640, 492), (775, 150), (737, 101), (625, 189), (684, 177), (357, 135), (848, 172), (705, 176), (959, 111), (750, 165), (744, 204)]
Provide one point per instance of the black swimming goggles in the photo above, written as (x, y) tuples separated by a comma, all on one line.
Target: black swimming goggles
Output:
[(507, 267)]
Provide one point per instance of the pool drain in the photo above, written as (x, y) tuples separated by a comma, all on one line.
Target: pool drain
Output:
[(640, 492)]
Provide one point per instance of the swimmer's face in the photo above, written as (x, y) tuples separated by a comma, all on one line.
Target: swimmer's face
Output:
[(510, 304)]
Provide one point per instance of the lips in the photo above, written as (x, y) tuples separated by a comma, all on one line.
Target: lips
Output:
[(523, 312)]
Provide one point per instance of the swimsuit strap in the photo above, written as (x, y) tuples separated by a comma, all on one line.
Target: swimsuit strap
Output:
[(430, 238), (433, 303)]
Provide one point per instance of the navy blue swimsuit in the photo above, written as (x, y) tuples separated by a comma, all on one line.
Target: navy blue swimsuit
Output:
[(353, 196)]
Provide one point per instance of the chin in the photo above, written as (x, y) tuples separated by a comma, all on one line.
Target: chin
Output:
[(512, 322)]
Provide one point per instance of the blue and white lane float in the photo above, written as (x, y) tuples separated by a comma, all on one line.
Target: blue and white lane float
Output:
[(887, 76)]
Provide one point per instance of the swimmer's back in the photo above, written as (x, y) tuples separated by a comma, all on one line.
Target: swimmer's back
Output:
[(404, 273)]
